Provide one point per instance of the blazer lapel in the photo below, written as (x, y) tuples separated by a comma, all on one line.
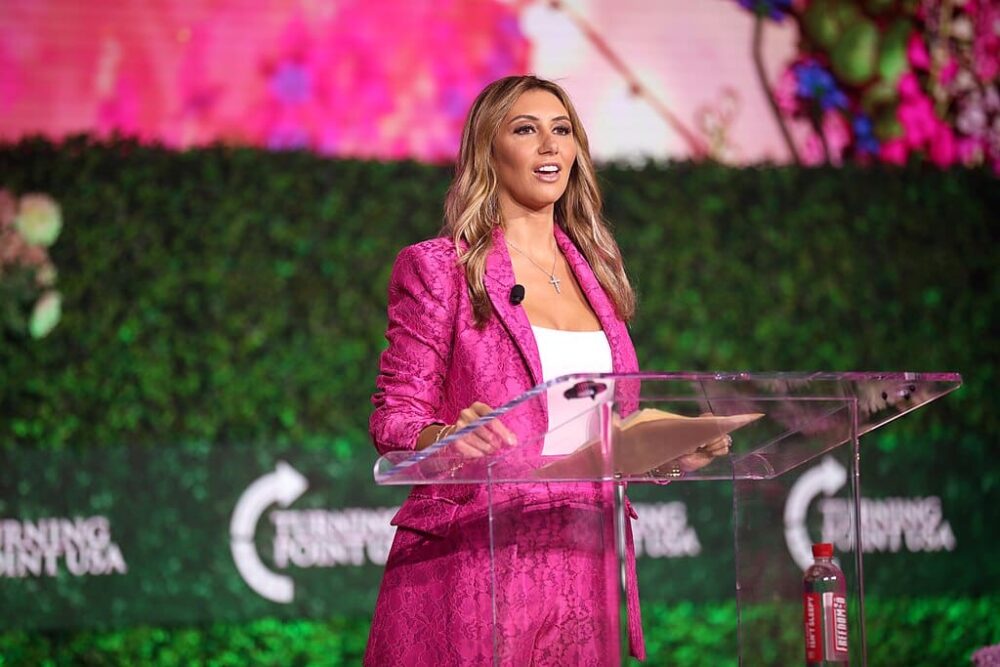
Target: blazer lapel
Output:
[(614, 328), (499, 280)]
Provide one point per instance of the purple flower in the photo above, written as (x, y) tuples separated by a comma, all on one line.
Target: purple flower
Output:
[(291, 82), (864, 135), (288, 137), (772, 9), (814, 82)]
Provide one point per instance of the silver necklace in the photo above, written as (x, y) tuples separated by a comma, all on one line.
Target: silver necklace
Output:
[(551, 274)]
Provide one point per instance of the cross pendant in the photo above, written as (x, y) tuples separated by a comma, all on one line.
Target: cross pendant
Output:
[(555, 283)]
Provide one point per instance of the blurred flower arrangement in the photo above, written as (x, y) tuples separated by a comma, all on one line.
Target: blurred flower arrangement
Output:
[(365, 78), (886, 80), (29, 301)]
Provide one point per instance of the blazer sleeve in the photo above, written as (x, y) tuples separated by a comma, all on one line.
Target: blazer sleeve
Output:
[(422, 305)]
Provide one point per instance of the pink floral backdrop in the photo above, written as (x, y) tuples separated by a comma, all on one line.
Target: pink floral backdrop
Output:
[(888, 80), (739, 81), (367, 78)]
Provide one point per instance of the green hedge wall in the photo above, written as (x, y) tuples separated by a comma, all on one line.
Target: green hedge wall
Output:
[(231, 296), (902, 633)]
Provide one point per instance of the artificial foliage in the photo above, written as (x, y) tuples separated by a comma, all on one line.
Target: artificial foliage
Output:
[(901, 633), (236, 298)]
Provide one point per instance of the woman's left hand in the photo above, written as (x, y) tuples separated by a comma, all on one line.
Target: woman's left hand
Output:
[(705, 454), (699, 458)]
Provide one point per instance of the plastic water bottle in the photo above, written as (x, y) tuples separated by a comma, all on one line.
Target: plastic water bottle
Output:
[(824, 600)]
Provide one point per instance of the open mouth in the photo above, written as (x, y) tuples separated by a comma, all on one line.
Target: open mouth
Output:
[(548, 172)]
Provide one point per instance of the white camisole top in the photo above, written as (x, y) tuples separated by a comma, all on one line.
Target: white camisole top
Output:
[(571, 423)]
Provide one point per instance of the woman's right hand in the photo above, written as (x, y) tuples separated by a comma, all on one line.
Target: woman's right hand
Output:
[(482, 441)]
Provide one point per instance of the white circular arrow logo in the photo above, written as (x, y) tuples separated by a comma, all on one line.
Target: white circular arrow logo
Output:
[(827, 478), (282, 486)]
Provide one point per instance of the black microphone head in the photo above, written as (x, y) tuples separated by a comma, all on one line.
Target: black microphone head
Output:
[(516, 294)]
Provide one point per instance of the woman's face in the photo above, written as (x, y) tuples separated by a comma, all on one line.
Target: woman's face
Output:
[(534, 152)]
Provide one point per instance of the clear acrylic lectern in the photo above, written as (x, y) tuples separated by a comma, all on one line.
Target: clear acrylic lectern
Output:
[(554, 530)]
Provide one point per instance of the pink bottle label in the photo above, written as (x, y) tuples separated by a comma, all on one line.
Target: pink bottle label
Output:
[(839, 627), (825, 623), (813, 619)]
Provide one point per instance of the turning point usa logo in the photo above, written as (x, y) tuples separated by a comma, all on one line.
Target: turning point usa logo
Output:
[(916, 524), (307, 538), (352, 537), (38, 548)]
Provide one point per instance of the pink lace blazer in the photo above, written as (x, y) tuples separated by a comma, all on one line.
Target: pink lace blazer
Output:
[(437, 363)]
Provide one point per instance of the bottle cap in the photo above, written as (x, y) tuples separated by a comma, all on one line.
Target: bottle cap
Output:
[(823, 550)]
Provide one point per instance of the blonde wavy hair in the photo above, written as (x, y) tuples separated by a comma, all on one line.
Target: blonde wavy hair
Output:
[(472, 206)]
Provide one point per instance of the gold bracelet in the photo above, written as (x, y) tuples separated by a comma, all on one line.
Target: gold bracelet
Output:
[(440, 434), (673, 472)]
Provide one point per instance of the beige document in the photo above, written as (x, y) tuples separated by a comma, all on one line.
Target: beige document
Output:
[(647, 439)]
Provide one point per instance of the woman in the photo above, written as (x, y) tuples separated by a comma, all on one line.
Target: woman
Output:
[(523, 209)]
